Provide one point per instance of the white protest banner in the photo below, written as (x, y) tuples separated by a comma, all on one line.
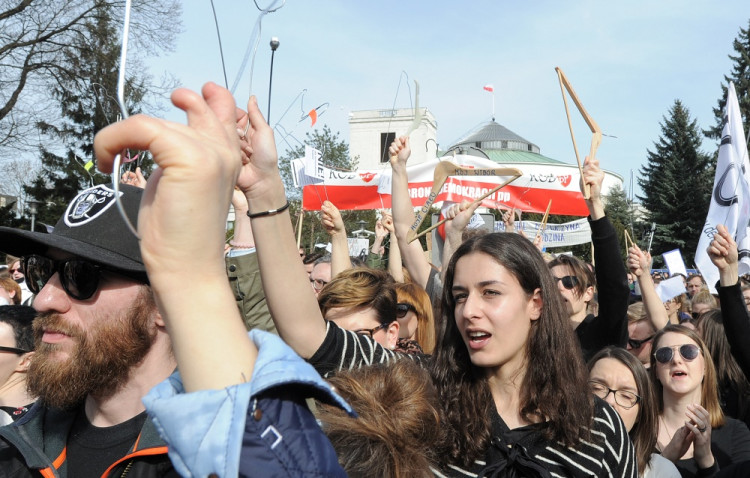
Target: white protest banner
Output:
[(730, 199), (555, 235), (351, 190)]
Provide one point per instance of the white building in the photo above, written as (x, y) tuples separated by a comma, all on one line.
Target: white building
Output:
[(372, 132)]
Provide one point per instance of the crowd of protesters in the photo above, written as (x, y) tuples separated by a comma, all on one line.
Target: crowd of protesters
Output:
[(171, 353)]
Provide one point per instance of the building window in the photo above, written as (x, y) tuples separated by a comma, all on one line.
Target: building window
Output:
[(530, 148), (385, 141)]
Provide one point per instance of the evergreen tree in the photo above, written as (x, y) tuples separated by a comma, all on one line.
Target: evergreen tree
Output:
[(676, 183), (740, 75), (86, 107), (620, 213)]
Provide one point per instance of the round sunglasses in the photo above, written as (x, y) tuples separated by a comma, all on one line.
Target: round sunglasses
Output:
[(688, 352)]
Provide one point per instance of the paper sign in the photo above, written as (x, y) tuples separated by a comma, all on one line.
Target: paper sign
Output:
[(675, 264), (670, 288)]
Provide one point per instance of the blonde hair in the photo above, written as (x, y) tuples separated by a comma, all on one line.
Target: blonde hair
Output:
[(416, 296)]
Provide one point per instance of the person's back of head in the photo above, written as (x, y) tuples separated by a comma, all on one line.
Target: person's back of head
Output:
[(399, 425), (11, 289), (20, 318), (361, 288)]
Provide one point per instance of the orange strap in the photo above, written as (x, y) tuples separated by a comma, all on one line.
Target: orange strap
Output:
[(48, 472)]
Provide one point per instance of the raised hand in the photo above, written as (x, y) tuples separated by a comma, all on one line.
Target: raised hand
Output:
[(399, 152), (639, 262), (331, 219), (593, 176)]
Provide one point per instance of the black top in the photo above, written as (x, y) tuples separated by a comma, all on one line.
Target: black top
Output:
[(737, 329), (610, 327)]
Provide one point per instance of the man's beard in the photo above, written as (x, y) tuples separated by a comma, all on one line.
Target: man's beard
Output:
[(102, 357)]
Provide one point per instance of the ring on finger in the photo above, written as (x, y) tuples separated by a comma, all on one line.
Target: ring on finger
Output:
[(702, 429)]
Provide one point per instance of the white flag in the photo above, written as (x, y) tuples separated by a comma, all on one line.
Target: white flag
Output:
[(730, 197), (313, 166), (299, 175)]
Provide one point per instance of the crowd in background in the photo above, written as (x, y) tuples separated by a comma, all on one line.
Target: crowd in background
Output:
[(502, 362)]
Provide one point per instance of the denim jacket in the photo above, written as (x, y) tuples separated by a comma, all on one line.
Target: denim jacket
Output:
[(259, 428)]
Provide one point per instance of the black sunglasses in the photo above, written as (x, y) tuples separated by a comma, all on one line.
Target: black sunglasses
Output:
[(688, 352), (403, 309), (13, 350), (636, 344), (80, 278), (569, 282)]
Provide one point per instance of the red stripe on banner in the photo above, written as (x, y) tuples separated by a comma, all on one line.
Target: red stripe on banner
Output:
[(569, 203)]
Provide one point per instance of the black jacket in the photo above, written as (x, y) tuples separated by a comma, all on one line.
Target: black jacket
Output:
[(35, 446)]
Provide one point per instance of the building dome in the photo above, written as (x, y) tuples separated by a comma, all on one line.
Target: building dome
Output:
[(501, 145)]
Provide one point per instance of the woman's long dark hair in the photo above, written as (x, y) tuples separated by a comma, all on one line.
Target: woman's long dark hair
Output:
[(646, 427), (554, 390)]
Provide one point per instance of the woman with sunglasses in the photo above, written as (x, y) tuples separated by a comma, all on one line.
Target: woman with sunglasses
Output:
[(577, 282), (693, 431), (415, 318), (618, 378)]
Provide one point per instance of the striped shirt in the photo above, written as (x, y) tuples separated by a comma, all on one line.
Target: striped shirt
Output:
[(609, 453), (347, 350)]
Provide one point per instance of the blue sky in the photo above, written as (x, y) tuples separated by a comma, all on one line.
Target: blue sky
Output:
[(628, 62)]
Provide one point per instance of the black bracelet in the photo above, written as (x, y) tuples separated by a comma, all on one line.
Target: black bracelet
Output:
[(271, 212)]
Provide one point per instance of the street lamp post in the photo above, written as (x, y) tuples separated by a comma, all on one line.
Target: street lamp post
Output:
[(32, 205), (274, 46)]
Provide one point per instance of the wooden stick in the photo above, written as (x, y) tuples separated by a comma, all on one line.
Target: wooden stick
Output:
[(454, 170), (543, 225), (628, 241), (596, 136), (299, 227)]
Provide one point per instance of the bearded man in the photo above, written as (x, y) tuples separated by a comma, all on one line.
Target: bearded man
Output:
[(101, 345)]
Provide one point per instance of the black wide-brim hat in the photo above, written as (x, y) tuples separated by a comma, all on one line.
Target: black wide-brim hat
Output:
[(92, 229)]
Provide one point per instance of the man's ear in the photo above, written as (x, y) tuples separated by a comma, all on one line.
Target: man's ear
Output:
[(23, 365), (158, 319)]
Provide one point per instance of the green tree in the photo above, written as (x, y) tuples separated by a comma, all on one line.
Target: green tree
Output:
[(335, 155), (85, 108), (740, 75), (619, 210), (676, 182)]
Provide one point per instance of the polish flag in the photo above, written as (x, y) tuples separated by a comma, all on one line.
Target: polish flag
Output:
[(489, 88)]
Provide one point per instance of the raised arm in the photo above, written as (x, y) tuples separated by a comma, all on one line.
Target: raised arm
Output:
[(394, 255), (639, 263), (723, 253), (334, 225), (288, 293), (458, 216), (183, 214), (403, 213)]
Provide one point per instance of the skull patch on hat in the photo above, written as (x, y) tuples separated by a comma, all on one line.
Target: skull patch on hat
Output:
[(88, 205)]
